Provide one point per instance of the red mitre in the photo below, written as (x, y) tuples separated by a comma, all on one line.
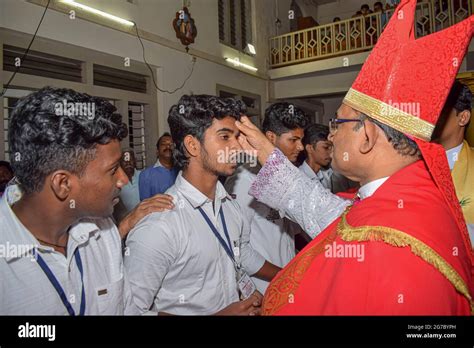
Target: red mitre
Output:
[(404, 84)]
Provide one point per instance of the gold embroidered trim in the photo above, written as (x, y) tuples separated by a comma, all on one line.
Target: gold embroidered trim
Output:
[(282, 289), (401, 239), (389, 115)]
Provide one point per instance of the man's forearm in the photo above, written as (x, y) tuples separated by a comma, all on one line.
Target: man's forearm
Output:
[(281, 185), (267, 272), (264, 153)]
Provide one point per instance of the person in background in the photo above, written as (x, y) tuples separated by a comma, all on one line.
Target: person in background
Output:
[(6, 174), (129, 195), (164, 151), (365, 10), (391, 4), (196, 259), (318, 160), (450, 132), (378, 7), (162, 175)]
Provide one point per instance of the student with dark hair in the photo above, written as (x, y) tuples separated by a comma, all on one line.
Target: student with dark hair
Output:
[(318, 159), (196, 258), (6, 174), (450, 132), (162, 175), (65, 149), (284, 125), (271, 235)]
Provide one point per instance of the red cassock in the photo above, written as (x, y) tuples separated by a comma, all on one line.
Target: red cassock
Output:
[(394, 253), (405, 249)]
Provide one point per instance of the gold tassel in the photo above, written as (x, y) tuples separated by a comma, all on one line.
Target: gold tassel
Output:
[(398, 238)]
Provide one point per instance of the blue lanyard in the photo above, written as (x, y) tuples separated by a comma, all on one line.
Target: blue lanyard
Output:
[(58, 287), (227, 247)]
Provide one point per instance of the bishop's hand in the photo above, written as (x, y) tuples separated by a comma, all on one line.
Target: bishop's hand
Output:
[(253, 140)]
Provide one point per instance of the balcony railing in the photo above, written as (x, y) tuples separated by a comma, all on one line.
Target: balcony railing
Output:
[(361, 33)]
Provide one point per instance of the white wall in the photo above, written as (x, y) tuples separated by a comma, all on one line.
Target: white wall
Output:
[(331, 104), (308, 8)]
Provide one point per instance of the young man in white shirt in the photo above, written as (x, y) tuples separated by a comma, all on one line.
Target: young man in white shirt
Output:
[(316, 166), (272, 235), (196, 259), (61, 252)]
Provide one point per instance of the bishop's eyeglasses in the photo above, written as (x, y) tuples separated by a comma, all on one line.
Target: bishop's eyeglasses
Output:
[(334, 123)]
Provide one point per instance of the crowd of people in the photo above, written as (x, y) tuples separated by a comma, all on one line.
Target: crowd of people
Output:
[(176, 260)]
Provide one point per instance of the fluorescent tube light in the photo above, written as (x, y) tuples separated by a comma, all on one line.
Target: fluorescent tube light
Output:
[(98, 12), (236, 62)]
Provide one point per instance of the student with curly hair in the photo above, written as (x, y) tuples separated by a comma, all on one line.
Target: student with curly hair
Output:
[(271, 235), (196, 258), (63, 253)]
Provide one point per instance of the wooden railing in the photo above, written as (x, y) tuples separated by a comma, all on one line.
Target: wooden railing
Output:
[(361, 33)]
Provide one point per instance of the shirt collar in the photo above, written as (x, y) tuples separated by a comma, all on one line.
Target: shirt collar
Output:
[(453, 154), (195, 197), (84, 229), (157, 164), (308, 170), (18, 235), (368, 189)]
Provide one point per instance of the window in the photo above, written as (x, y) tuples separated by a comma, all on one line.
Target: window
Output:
[(136, 132), (119, 79), (235, 23), (97, 74), (41, 64), (10, 99), (9, 104)]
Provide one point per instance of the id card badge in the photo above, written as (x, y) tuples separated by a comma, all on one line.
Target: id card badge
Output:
[(246, 286)]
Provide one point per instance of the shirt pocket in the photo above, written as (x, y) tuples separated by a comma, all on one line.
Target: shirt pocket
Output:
[(110, 298)]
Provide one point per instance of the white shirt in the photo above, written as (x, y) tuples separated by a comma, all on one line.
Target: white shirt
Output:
[(129, 194), (24, 287), (175, 262), (271, 235), (369, 189), (324, 176), (129, 197), (330, 179)]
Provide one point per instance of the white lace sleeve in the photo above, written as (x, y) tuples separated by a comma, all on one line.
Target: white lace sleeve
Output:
[(282, 186)]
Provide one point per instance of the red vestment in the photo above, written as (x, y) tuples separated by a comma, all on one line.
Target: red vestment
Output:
[(413, 259)]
